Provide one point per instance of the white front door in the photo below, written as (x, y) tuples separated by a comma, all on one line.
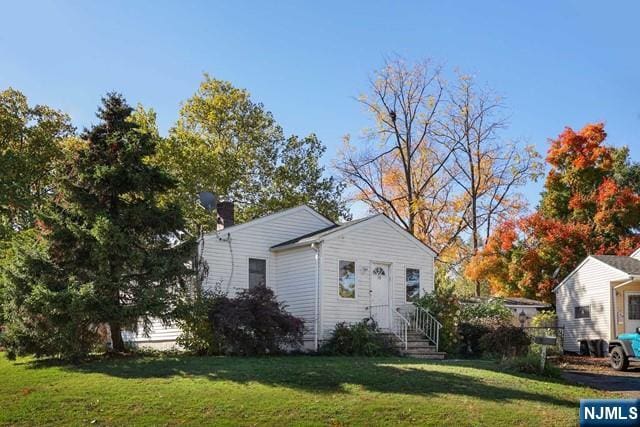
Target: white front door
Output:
[(380, 304), (631, 311)]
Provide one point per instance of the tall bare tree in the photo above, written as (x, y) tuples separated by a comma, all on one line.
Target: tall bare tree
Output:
[(486, 168), (435, 159), (398, 167)]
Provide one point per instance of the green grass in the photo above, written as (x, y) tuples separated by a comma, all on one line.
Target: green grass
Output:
[(279, 391)]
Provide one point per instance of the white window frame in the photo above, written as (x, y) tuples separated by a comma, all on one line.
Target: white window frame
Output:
[(582, 305), (404, 282), (266, 270), (355, 280)]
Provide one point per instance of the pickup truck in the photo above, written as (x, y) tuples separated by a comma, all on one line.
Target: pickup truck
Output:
[(624, 349)]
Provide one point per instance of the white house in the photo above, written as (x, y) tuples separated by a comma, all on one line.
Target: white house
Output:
[(324, 272), (600, 299)]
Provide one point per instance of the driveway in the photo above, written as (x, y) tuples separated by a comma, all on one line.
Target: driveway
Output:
[(596, 373)]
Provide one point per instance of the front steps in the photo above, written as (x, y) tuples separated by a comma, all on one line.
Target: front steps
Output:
[(417, 346)]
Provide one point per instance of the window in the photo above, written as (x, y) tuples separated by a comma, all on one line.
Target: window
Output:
[(257, 272), (347, 279), (634, 307), (582, 312), (412, 283)]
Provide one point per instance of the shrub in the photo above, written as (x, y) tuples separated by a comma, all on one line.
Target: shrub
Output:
[(530, 364), (359, 339), (444, 305), (197, 334), (255, 323), (505, 341), (470, 334), (492, 311), (545, 319), (252, 323)]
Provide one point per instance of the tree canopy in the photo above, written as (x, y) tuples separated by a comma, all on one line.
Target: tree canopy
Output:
[(103, 251), (30, 144), (226, 143), (590, 205), (434, 158)]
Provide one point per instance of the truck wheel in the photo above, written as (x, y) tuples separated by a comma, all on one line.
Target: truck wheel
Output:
[(619, 361)]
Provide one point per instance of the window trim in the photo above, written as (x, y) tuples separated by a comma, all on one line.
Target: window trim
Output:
[(355, 280), (404, 282), (575, 317), (266, 270)]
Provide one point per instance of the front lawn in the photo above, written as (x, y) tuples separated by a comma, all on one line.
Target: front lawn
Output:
[(280, 391)]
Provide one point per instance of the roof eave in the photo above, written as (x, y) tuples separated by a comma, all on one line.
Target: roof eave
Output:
[(294, 245)]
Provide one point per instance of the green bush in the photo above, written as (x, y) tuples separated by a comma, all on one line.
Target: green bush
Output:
[(492, 311), (545, 319), (192, 317), (470, 335), (530, 364), (505, 341), (359, 339), (444, 305)]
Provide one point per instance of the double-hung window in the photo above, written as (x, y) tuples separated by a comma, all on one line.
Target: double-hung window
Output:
[(347, 279), (257, 272), (412, 284)]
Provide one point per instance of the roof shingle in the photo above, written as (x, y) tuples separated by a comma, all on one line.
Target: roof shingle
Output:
[(623, 263)]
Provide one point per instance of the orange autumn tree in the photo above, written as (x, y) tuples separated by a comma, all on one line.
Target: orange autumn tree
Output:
[(589, 206)]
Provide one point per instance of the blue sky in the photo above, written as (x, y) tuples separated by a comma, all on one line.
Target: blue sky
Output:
[(556, 63)]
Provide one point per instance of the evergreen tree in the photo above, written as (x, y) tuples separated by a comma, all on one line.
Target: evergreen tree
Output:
[(104, 251)]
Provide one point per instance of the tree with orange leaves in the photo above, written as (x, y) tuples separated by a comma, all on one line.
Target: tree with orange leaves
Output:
[(590, 205)]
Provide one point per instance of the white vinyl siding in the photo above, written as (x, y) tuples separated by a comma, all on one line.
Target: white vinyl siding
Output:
[(296, 279), (589, 286), (251, 241), (373, 240), (254, 241), (158, 334)]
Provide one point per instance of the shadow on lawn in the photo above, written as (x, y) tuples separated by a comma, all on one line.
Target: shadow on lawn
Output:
[(321, 375)]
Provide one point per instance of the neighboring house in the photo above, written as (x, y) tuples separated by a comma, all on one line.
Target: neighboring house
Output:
[(521, 308), (524, 309), (324, 272), (600, 299)]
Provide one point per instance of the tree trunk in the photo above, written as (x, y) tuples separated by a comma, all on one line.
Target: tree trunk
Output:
[(116, 337)]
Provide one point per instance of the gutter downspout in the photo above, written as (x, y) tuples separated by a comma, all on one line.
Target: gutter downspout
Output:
[(316, 248)]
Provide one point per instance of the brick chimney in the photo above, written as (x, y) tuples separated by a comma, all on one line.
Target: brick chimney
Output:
[(225, 214)]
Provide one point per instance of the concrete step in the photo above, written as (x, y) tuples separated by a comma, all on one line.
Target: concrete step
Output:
[(436, 355), (423, 345)]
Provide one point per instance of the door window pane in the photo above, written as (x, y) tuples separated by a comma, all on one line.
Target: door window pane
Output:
[(257, 272), (412, 284), (347, 279), (634, 307)]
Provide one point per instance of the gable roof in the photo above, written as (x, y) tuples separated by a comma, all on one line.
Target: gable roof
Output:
[(272, 216), (319, 234), (625, 264), (636, 254), (335, 230)]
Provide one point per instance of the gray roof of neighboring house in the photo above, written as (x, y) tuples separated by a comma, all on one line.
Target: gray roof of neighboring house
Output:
[(510, 301), (623, 263), (312, 237)]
